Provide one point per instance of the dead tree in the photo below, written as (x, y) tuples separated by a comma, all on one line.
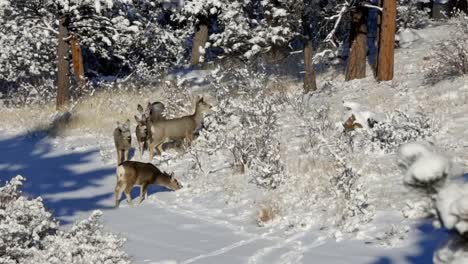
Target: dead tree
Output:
[(199, 40), (356, 68), (385, 59), (63, 78), (310, 83)]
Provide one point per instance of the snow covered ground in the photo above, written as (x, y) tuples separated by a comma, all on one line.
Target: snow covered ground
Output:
[(172, 228), (75, 174)]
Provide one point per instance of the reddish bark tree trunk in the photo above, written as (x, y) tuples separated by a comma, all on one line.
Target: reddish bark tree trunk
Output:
[(78, 67), (356, 68), (63, 79), (385, 59)]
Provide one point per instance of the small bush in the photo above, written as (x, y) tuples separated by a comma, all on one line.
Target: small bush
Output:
[(400, 128), (410, 16), (450, 57), (437, 180), (29, 234)]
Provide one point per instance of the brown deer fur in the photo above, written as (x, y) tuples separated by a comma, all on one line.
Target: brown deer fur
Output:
[(134, 173), (177, 128)]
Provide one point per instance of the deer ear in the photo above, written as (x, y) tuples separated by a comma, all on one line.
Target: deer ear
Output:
[(118, 124), (127, 123), (137, 118), (140, 108)]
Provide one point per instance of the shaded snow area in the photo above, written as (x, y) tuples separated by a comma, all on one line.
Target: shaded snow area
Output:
[(336, 205)]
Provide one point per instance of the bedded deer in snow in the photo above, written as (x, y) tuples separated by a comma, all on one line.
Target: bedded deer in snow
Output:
[(177, 128), (122, 140), (144, 119), (134, 173)]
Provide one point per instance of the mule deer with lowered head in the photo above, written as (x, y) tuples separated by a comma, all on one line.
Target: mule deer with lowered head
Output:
[(122, 140), (177, 128), (134, 173)]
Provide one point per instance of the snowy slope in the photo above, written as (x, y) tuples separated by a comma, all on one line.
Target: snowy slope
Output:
[(201, 223), (168, 229)]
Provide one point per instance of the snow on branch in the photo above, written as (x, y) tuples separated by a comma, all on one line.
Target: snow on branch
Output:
[(344, 8), (373, 7)]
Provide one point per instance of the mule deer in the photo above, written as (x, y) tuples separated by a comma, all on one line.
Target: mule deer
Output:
[(177, 128), (122, 140), (134, 173), (152, 114), (141, 130), (154, 111)]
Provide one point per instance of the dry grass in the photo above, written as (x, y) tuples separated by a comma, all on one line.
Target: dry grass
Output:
[(97, 113), (265, 214)]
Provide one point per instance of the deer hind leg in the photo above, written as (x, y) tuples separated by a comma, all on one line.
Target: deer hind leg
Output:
[(118, 193), (128, 189), (159, 148), (143, 190), (155, 148), (151, 151)]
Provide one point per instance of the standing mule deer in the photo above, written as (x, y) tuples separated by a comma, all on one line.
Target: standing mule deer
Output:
[(144, 120), (177, 128), (141, 130), (134, 173), (122, 140), (155, 111)]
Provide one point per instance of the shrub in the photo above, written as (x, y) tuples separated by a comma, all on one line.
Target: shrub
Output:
[(450, 57), (434, 174), (29, 234)]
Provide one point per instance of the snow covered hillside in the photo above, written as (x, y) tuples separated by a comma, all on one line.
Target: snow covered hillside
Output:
[(335, 197)]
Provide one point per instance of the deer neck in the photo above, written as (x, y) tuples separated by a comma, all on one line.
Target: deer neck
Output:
[(198, 115)]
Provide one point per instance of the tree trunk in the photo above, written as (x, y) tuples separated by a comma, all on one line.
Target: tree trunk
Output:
[(356, 68), (63, 81), (310, 83), (385, 58), (77, 59), (199, 41)]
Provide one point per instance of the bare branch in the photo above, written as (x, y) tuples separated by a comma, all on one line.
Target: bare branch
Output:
[(338, 18), (373, 7)]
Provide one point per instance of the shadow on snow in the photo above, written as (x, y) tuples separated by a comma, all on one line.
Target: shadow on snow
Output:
[(69, 183)]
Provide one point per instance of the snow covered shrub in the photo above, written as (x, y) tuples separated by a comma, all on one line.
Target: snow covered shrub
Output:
[(399, 128), (409, 15), (29, 234), (244, 124), (450, 57), (434, 174), (348, 187), (178, 98), (27, 48), (24, 224), (324, 172)]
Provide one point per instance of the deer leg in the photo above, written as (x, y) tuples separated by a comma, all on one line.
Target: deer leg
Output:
[(126, 154), (118, 156), (141, 145), (143, 190), (118, 193), (151, 151), (159, 148), (127, 191)]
